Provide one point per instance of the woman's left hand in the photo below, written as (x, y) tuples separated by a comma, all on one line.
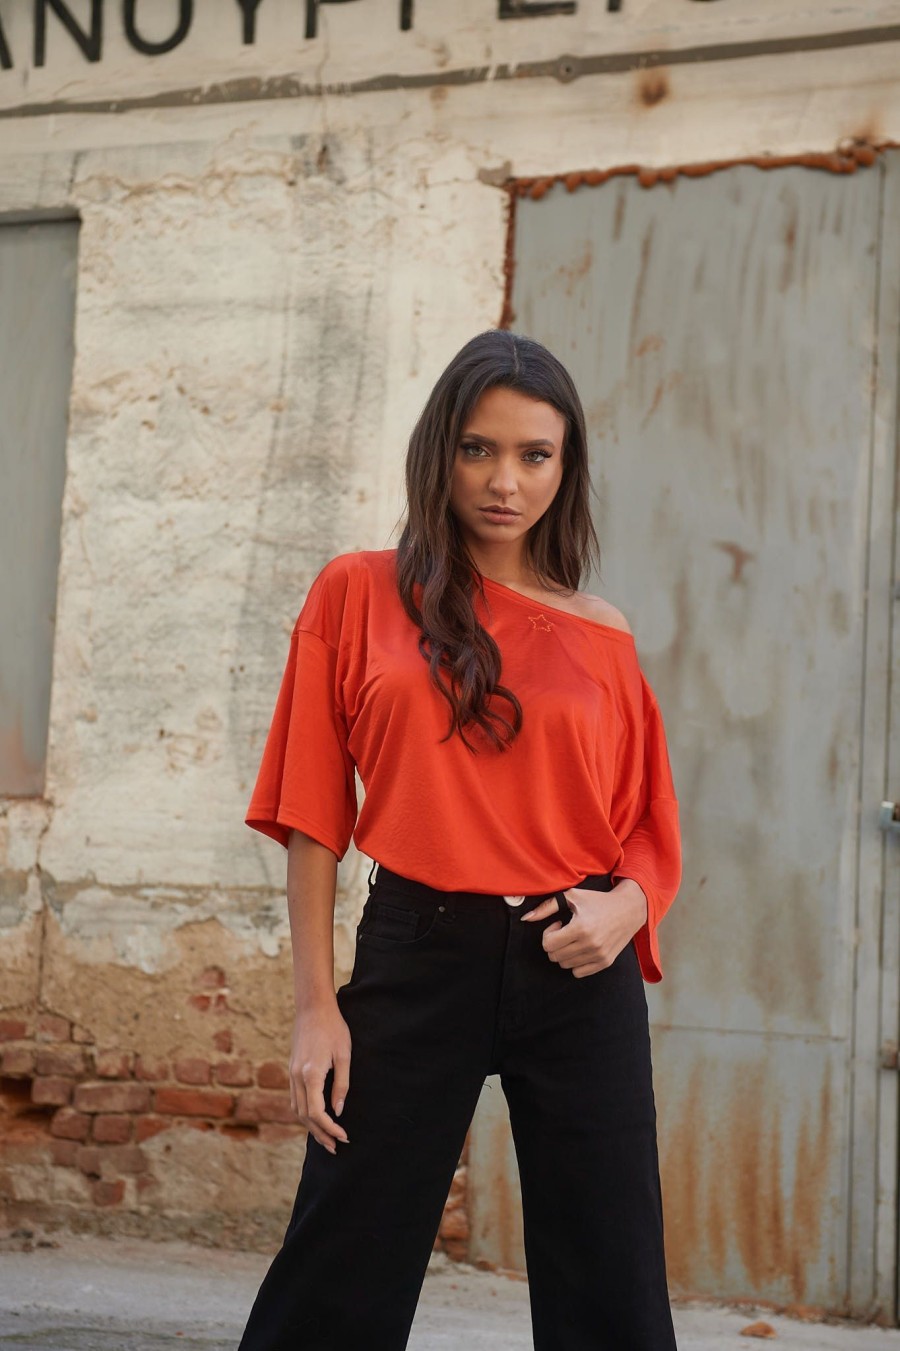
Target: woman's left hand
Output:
[(602, 924)]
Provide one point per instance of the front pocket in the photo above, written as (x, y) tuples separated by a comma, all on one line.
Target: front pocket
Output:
[(388, 925)]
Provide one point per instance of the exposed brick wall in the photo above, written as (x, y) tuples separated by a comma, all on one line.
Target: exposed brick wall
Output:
[(93, 1108), (97, 1106)]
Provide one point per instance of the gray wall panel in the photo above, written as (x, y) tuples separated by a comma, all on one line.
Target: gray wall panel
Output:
[(37, 304)]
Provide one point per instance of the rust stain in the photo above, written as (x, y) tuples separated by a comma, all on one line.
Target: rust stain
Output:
[(754, 1128), (852, 153), (790, 244), (810, 1196), (671, 381), (578, 268), (641, 285), (725, 1187), (653, 342), (24, 776), (739, 557), (619, 219), (507, 313), (834, 760), (653, 87)]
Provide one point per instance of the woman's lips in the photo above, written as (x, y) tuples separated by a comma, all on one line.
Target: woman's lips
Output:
[(501, 517)]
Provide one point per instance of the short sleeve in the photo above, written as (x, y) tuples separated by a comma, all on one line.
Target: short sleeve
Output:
[(651, 849), (307, 777)]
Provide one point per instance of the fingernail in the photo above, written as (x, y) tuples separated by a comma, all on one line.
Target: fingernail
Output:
[(340, 1107)]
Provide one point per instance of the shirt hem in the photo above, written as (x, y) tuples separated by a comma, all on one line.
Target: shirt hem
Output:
[(278, 825)]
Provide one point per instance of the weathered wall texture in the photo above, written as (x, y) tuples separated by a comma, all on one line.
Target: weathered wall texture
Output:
[(267, 291)]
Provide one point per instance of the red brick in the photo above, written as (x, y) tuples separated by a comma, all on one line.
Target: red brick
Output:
[(270, 1133), (454, 1224), (234, 1073), (111, 1129), (112, 1064), (150, 1070), (13, 1029), (52, 1091), (70, 1125), (145, 1127), (272, 1074), (239, 1130), (200, 1001), (88, 1159), (192, 1070), (213, 977), (123, 1159), (197, 1123), (107, 1097), (64, 1153), (108, 1193), (18, 1061), (192, 1102), (258, 1105), (223, 1040), (52, 1028), (81, 1034), (60, 1060)]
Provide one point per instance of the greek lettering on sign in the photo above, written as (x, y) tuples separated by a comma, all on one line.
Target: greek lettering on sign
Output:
[(88, 40)]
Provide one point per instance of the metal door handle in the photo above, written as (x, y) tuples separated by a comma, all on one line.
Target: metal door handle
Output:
[(890, 816)]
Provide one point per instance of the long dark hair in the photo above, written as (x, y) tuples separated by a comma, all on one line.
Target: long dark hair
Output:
[(560, 547)]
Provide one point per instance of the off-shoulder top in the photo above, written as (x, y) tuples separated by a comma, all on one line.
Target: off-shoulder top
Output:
[(585, 787)]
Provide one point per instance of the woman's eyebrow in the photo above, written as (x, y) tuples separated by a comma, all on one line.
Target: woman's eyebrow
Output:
[(476, 436)]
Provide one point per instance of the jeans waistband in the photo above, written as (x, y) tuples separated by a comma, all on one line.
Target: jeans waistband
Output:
[(421, 891)]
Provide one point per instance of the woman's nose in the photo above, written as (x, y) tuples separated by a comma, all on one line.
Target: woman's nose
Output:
[(503, 479)]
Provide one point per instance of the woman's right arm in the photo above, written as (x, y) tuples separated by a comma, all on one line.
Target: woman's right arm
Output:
[(321, 1037)]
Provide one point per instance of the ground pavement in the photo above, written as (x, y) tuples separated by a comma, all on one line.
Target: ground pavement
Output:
[(89, 1294)]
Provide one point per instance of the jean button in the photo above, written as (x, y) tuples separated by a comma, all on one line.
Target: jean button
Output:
[(514, 900)]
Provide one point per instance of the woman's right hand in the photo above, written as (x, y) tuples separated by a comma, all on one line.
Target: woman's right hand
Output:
[(321, 1038)]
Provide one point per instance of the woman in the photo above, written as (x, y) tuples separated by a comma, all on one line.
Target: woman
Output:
[(520, 811)]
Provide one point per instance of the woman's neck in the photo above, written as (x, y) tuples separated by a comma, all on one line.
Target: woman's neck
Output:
[(508, 566)]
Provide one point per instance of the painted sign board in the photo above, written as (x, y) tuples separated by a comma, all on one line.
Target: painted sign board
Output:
[(109, 55)]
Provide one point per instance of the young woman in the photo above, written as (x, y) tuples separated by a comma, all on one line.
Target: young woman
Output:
[(521, 817)]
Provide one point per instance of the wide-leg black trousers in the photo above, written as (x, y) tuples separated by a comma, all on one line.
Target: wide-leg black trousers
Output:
[(447, 988)]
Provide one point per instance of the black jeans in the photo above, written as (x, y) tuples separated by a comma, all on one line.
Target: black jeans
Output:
[(447, 988)]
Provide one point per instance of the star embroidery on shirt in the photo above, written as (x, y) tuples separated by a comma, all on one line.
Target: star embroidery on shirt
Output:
[(540, 621)]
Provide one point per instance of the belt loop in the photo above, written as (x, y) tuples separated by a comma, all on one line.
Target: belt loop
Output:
[(565, 910), (371, 871)]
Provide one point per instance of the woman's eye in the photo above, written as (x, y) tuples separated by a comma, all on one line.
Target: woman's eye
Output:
[(473, 451)]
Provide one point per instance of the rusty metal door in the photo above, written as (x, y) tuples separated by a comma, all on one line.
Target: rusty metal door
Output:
[(735, 340)]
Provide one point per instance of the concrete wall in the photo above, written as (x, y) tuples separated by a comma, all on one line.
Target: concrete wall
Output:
[(270, 279)]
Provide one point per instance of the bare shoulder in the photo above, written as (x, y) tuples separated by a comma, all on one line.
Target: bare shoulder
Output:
[(601, 611)]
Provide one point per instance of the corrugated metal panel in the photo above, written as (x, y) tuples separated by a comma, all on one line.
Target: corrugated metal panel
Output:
[(37, 304), (722, 334)]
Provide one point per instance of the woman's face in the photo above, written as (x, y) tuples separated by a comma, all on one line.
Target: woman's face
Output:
[(509, 455)]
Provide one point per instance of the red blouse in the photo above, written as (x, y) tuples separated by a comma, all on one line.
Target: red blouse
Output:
[(585, 787)]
